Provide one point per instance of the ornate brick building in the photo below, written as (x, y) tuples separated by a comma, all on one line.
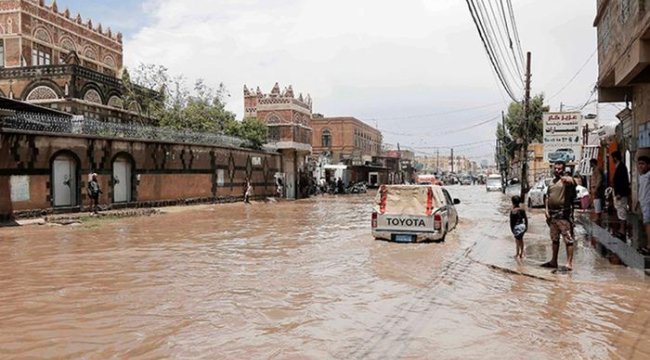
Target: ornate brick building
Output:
[(345, 139), (52, 58), (289, 119)]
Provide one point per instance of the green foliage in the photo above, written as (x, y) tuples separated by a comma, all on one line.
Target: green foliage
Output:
[(512, 137), (172, 104), (251, 129), (515, 116)]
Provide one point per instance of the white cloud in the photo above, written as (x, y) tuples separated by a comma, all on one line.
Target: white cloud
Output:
[(368, 58)]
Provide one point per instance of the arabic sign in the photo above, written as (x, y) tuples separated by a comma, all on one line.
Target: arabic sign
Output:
[(562, 136)]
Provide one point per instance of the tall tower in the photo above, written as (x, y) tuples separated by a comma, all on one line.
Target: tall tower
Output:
[(290, 130)]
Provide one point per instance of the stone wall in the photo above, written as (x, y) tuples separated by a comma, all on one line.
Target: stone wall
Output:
[(161, 173)]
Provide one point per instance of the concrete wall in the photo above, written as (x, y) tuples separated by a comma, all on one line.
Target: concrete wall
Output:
[(161, 172)]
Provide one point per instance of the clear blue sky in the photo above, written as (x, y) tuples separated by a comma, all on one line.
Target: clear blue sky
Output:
[(125, 16)]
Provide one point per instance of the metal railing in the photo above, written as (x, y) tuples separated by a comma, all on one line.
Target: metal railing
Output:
[(81, 126)]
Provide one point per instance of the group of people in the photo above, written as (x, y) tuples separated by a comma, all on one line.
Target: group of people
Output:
[(559, 216), (559, 207), (620, 192)]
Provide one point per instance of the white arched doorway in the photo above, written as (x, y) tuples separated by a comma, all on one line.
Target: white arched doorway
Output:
[(122, 180), (64, 180)]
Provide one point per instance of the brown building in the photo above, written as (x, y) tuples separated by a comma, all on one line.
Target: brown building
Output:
[(290, 131), (46, 156), (345, 140), (52, 58), (623, 29)]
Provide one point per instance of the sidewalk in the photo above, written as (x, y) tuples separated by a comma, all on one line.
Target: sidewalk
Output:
[(626, 252)]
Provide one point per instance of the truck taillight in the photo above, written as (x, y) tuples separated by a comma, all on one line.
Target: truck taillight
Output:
[(374, 220), (437, 222)]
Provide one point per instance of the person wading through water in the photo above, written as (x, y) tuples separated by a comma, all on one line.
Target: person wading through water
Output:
[(93, 192), (559, 206)]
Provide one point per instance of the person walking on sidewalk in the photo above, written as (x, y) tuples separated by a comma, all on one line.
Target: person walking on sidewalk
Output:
[(93, 192), (621, 193), (559, 205), (643, 164), (597, 189)]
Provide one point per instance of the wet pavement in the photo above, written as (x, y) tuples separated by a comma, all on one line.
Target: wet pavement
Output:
[(295, 280)]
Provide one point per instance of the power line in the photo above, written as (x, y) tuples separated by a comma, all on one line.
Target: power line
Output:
[(488, 48), (575, 75), (409, 117), (453, 131)]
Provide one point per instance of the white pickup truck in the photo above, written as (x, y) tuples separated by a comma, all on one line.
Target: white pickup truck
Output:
[(411, 213)]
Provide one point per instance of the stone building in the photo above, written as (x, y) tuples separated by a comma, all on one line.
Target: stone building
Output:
[(53, 58), (623, 29), (289, 119), (46, 156), (345, 140)]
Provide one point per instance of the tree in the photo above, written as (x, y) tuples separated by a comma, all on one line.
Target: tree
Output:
[(168, 101), (515, 116), (251, 129)]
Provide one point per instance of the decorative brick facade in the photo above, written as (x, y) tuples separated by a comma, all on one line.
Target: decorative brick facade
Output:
[(290, 132), (345, 139), (52, 58)]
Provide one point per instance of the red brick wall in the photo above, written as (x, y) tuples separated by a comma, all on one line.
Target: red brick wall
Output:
[(166, 171)]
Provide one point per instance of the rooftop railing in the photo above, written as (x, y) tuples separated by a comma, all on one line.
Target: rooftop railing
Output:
[(78, 125)]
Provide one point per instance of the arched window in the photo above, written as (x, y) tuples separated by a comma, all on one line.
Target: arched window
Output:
[(326, 138)]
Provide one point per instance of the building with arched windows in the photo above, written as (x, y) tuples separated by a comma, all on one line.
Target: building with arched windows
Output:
[(51, 58), (289, 120)]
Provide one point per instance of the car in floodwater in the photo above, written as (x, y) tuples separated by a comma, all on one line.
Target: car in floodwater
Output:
[(494, 182), (413, 213)]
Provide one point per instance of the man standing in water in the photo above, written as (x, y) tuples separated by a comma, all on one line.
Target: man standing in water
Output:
[(93, 192), (558, 214)]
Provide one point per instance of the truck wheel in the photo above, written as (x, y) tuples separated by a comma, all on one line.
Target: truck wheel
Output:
[(444, 235)]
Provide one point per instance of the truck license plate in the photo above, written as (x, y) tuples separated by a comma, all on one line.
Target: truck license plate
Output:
[(403, 238)]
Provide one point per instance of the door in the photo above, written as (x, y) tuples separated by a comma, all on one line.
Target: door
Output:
[(121, 180), (452, 213), (64, 179)]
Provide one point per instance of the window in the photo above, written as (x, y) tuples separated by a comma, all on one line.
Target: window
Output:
[(327, 138), (41, 56), (2, 53)]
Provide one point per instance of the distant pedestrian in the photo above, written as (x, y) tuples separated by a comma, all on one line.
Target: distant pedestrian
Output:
[(279, 187), (93, 192), (643, 164), (597, 189), (621, 193), (559, 208), (339, 186), (248, 193), (518, 225)]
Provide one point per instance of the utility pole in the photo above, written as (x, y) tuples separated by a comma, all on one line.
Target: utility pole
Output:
[(452, 160), (502, 155), (524, 165), (437, 161)]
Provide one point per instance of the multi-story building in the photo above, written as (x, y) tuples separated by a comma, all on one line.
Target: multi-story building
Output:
[(345, 140), (443, 163), (290, 131), (623, 29), (52, 58)]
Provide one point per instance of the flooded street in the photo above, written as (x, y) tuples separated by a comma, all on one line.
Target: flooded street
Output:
[(306, 279)]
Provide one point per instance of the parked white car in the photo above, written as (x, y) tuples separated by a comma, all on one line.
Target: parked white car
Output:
[(411, 213), (537, 194)]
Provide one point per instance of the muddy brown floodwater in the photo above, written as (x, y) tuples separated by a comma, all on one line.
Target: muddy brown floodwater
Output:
[(305, 279)]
